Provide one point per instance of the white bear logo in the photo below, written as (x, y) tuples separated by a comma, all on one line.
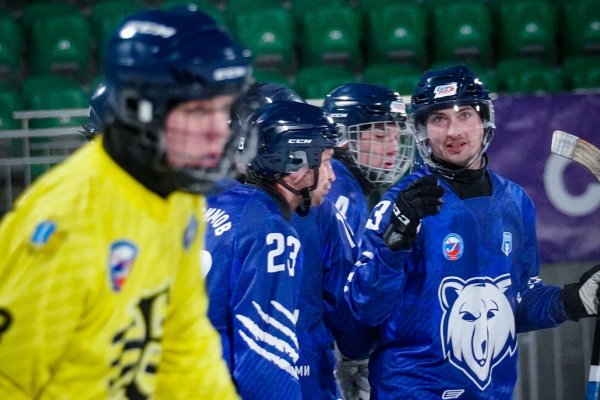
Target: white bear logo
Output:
[(478, 325)]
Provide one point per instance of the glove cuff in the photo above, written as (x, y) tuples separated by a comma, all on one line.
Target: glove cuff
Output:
[(572, 302)]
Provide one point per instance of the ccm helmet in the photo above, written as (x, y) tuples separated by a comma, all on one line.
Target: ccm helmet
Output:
[(257, 95), (154, 61), (360, 107), (291, 135), (447, 88)]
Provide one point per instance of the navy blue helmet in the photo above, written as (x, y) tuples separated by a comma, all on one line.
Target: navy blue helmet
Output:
[(257, 95), (154, 61), (447, 88), (291, 135), (363, 107)]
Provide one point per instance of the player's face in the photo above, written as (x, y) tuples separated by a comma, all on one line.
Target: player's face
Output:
[(455, 135), (197, 131), (326, 178), (378, 145)]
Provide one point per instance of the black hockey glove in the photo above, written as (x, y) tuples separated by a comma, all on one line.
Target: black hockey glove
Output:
[(581, 298), (422, 198)]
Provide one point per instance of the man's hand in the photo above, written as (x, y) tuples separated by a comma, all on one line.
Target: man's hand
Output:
[(581, 298), (422, 198)]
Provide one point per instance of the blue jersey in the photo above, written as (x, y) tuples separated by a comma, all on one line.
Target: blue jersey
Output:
[(253, 287), (448, 310), (329, 253), (349, 197)]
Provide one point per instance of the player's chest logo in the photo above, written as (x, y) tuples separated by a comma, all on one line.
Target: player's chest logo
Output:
[(477, 326), (453, 246), (120, 262)]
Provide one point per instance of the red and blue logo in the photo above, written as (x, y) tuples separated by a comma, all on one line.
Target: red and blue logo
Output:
[(122, 256), (453, 246)]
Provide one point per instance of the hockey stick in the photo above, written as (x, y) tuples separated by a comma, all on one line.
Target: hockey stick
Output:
[(578, 150), (586, 154)]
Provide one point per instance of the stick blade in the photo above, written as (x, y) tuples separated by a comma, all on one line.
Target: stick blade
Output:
[(563, 144), (574, 148)]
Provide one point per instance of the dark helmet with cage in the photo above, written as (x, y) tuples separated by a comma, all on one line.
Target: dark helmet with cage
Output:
[(362, 108), (257, 95), (291, 136), (155, 61), (96, 114), (446, 88)]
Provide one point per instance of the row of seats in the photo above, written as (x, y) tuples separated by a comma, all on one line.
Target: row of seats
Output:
[(579, 73), (56, 37)]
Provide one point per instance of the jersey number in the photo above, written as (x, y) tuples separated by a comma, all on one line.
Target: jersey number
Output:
[(377, 214), (276, 263)]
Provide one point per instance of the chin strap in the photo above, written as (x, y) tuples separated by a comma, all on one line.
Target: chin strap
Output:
[(304, 208)]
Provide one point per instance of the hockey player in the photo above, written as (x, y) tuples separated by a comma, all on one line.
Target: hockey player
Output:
[(378, 148), (329, 252), (255, 281), (100, 292), (450, 264)]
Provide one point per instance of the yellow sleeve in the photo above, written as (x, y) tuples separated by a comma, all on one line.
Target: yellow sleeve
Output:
[(192, 366), (42, 296)]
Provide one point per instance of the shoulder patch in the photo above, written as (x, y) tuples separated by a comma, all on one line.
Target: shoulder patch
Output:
[(43, 233)]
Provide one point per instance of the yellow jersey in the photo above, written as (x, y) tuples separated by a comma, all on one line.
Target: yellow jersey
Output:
[(101, 295)]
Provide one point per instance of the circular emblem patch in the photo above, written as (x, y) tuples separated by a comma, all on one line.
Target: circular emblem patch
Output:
[(453, 247)]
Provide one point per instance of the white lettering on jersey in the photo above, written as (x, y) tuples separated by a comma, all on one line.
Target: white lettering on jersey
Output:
[(477, 326), (218, 220)]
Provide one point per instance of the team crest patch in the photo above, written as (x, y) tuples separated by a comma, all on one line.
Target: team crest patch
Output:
[(190, 232), (43, 232), (453, 246), (122, 256), (506, 243)]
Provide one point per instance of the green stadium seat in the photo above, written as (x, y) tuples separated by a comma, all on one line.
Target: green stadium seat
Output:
[(527, 28), (301, 7), (234, 8), (331, 35), (272, 43), (61, 43), (12, 44), (462, 32), (401, 77), (48, 92), (10, 100), (104, 18), (396, 32), (314, 82), (581, 27), (582, 73), (207, 6), (34, 12), (529, 76)]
